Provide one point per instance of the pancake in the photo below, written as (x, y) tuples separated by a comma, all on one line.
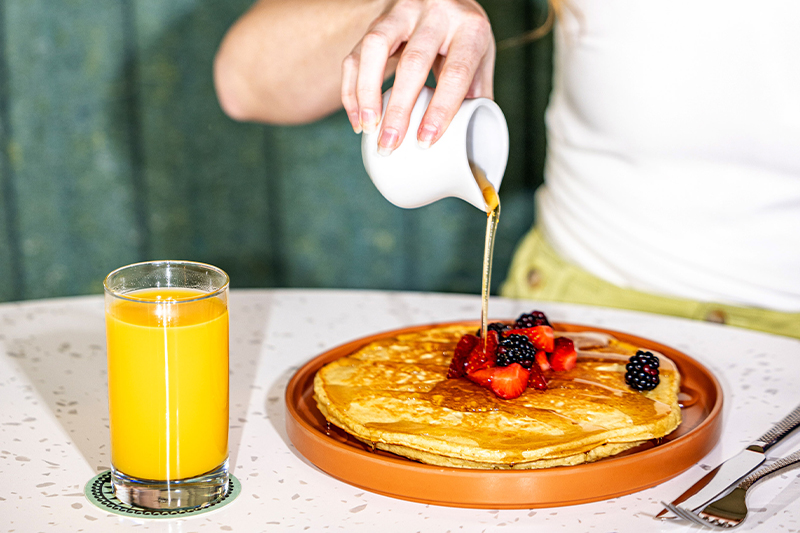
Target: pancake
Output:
[(394, 395)]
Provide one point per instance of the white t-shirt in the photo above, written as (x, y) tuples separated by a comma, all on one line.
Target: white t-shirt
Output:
[(673, 161)]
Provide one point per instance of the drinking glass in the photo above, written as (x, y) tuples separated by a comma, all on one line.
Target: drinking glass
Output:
[(167, 337)]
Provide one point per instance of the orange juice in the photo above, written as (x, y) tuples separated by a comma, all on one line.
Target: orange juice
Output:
[(168, 383)]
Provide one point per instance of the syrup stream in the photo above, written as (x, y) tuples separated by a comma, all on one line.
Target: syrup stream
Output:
[(488, 252), (492, 217)]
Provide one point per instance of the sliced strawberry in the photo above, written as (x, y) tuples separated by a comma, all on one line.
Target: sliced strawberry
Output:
[(510, 381), (564, 356), (492, 342), (537, 379), (482, 376), (541, 360), (482, 355), (460, 356), (542, 337)]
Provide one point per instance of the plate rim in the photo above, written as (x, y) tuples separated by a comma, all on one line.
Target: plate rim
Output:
[(300, 431)]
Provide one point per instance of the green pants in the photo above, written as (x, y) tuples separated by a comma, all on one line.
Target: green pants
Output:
[(538, 273)]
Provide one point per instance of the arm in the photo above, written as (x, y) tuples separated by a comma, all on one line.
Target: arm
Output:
[(292, 61), (281, 62)]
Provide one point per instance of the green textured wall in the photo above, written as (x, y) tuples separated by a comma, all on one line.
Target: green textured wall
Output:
[(114, 150)]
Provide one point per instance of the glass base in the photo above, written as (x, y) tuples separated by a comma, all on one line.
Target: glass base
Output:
[(191, 493)]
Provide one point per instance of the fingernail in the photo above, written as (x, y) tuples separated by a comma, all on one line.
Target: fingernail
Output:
[(355, 123), (369, 120), (426, 136), (388, 141)]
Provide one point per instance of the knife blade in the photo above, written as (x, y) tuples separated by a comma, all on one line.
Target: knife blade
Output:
[(735, 468)]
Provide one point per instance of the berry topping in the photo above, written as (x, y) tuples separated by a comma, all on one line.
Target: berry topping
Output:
[(499, 327), (536, 379), (510, 381), (542, 337), (482, 376), (513, 357), (541, 360), (564, 356), (482, 354), (462, 353), (515, 349), (642, 371), (532, 319)]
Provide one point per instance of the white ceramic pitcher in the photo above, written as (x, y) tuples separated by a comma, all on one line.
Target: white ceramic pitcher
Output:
[(412, 176)]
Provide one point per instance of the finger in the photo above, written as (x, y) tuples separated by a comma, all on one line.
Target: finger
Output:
[(483, 80), (412, 70), (458, 70), (349, 81), (376, 48), (349, 78)]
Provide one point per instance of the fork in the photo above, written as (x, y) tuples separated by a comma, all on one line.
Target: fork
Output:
[(731, 510)]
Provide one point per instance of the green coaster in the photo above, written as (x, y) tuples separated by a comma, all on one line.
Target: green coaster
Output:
[(100, 492)]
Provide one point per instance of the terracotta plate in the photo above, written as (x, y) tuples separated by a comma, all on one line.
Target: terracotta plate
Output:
[(353, 462)]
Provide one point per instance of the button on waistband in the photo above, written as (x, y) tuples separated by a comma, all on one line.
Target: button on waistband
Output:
[(534, 278), (717, 316)]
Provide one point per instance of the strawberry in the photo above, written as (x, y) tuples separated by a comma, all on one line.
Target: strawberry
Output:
[(540, 336), (459, 361), (564, 356), (541, 360), (537, 380), (492, 342), (482, 376), (510, 381), (482, 355)]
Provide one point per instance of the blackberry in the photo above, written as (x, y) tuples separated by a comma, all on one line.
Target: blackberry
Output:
[(530, 320), (515, 349), (499, 327), (642, 371)]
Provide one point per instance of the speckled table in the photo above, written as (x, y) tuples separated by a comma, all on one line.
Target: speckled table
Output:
[(54, 417)]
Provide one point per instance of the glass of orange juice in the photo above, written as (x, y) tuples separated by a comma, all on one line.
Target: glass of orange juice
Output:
[(167, 337)]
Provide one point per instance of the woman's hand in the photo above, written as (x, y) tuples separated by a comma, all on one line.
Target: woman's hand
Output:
[(452, 37)]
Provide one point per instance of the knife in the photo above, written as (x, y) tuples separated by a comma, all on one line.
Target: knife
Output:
[(735, 468)]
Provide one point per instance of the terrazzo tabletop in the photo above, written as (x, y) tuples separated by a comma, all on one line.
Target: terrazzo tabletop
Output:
[(54, 417)]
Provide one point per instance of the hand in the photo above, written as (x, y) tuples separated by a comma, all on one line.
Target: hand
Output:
[(452, 37)]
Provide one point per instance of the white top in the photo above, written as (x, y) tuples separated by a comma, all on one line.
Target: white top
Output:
[(674, 148), (54, 418)]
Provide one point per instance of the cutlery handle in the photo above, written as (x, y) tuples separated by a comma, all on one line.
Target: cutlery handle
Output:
[(780, 430), (774, 468)]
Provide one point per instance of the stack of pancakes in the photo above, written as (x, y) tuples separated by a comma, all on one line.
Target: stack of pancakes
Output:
[(394, 395)]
